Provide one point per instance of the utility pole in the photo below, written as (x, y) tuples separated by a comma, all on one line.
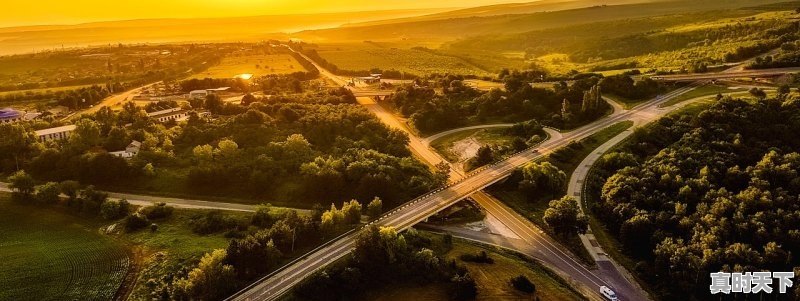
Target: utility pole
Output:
[(293, 236)]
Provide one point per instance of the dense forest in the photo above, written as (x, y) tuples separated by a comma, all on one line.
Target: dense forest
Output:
[(310, 148), (694, 194), (564, 106)]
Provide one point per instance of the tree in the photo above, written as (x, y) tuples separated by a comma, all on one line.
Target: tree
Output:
[(149, 170), (135, 222), (48, 193), (522, 283), (247, 99), (70, 189), (464, 287), (484, 156), (262, 217), (375, 208), (326, 224), (784, 89), (86, 134), (758, 93), (227, 149), (213, 103), (252, 255), (352, 212), (114, 209), (441, 174), (22, 185), (564, 217), (17, 143), (157, 211), (212, 279), (537, 177), (203, 153)]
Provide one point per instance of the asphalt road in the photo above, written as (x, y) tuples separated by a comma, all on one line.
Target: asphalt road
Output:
[(270, 288)]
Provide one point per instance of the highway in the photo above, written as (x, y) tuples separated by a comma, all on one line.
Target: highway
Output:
[(405, 216), (728, 74)]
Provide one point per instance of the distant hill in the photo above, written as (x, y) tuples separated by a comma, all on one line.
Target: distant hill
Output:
[(435, 28), (507, 9), (36, 38)]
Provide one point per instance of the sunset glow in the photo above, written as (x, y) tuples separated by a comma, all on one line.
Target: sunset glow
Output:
[(19, 13)]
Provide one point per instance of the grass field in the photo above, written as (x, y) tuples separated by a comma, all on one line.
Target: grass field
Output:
[(257, 65), (54, 89), (707, 90), (171, 248), (492, 279), (51, 256), (468, 141), (365, 56)]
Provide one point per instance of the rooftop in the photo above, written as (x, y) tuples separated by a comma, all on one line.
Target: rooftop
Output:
[(60, 129), (9, 113)]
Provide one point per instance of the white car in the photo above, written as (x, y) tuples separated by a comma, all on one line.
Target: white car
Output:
[(608, 293)]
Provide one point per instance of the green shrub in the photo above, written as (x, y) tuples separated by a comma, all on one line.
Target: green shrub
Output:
[(135, 222), (523, 284)]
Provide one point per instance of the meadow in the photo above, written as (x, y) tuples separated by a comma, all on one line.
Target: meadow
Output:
[(101, 65), (173, 247), (48, 255), (461, 145), (413, 61), (492, 279), (257, 65)]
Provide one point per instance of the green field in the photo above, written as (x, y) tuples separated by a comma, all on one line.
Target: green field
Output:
[(444, 146), (365, 56), (706, 90), (171, 248), (48, 255), (492, 279), (257, 65), (41, 90)]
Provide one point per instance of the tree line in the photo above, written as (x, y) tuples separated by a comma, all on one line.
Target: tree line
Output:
[(294, 150), (708, 192), (564, 106)]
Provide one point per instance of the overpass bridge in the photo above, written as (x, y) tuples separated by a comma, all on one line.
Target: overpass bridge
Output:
[(371, 93), (762, 73), (272, 286)]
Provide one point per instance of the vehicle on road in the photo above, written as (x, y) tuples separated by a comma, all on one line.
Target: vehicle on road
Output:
[(608, 294)]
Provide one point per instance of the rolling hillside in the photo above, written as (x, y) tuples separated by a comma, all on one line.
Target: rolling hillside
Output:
[(453, 28), (36, 38)]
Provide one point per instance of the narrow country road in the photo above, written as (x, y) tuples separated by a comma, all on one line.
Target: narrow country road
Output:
[(146, 200)]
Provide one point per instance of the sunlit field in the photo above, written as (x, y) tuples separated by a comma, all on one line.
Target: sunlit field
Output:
[(49, 256), (415, 61), (255, 65)]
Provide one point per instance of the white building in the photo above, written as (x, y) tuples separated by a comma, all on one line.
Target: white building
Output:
[(176, 114), (198, 94), (130, 151), (56, 133), (201, 94)]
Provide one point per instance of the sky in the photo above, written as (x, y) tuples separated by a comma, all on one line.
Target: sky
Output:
[(46, 12)]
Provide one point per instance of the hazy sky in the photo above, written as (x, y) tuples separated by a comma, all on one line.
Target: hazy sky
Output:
[(21, 12)]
